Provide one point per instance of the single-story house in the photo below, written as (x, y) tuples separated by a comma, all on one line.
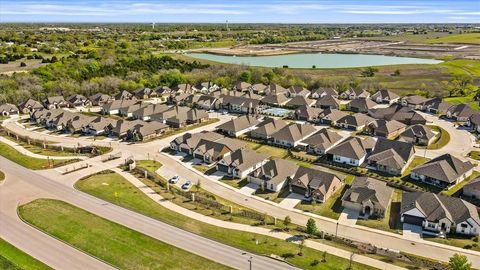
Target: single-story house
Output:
[(30, 106), (114, 106), (413, 102), (8, 109), (385, 129), (124, 95), (293, 134), (238, 126), (444, 171), (212, 151), (440, 214), (324, 91), (273, 175), (385, 96), (100, 99), (187, 142), (241, 162), (328, 101), (360, 105), (294, 91), (353, 151), (78, 101), (242, 87), (436, 106), (331, 116), (354, 94), (322, 141), (460, 112), (145, 93), (56, 102), (368, 196), (419, 135), (391, 157), (472, 189), (307, 113), (356, 121), (267, 128), (315, 184)]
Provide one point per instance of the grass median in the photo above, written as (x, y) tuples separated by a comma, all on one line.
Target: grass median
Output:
[(30, 162), (119, 191), (11, 258), (118, 245)]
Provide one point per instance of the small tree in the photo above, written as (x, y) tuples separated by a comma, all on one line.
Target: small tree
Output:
[(459, 262), (369, 72), (396, 72), (22, 64), (287, 221), (311, 226), (324, 256), (301, 245)]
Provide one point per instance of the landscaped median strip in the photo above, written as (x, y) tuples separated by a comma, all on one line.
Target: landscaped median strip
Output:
[(118, 190), (12, 258), (31, 162), (113, 243)]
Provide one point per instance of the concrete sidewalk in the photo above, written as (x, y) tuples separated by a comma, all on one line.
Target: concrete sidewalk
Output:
[(24, 151), (242, 227)]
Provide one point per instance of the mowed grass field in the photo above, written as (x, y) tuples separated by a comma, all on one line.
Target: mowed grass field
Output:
[(130, 197), (11, 258), (120, 246), (29, 162)]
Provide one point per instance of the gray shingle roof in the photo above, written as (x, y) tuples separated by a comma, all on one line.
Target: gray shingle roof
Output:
[(445, 168), (365, 189)]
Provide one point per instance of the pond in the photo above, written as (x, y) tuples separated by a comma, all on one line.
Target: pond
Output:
[(319, 60)]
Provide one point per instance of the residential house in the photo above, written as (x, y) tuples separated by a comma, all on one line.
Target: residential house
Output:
[(368, 196), (356, 121), (259, 88), (239, 104), (322, 141), (444, 171), (30, 106), (206, 87), (242, 87), (315, 184), (275, 89), (331, 116), (183, 88), (298, 101), (354, 94), (56, 102), (180, 99), (439, 214), (472, 189), (100, 99), (145, 112), (241, 162), (460, 112), (401, 114), (145, 93), (178, 116), (474, 122), (99, 126), (239, 126), (293, 134), (78, 101), (125, 95), (163, 91), (188, 142), (267, 128), (212, 151), (328, 101), (360, 105), (8, 109), (128, 111), (436, 106), (324, 91), (385, 128), (273, 175), (275, 99), (294, 91), (146, 131), (419, 135), (307, 113), (391, 157), (78, 123), (385, 96), (114, 106), (352, 151), (413, 102), (205, 102)]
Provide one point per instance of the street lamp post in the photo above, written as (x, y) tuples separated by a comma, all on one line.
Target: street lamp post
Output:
[(250, 260), (336, 230)]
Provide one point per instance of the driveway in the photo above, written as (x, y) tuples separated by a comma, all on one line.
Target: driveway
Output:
[(218, 175), (248, 189), (412, 232), (348, 217), (291, 200)]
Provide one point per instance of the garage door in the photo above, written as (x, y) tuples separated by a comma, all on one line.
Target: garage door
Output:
[(222, 168), (412, 220)]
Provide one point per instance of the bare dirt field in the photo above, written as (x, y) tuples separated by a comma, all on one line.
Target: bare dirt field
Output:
[(384, 47), (12, 67)]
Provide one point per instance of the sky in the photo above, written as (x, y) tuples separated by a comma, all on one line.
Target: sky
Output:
[(247, 11)]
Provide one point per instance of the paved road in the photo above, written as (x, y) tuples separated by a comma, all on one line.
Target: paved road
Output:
[(23, 185), (360, 233)]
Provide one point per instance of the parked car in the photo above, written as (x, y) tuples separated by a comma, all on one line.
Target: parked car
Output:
[(224, 112), (187, 185), (174, 179)]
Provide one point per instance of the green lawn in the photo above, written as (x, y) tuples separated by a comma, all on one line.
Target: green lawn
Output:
[(475, 155), (457, 187), (118, 245), (11, 258), (40, 150), (149, 165), (442, 140), (332, 207), (234, 182), (470, 38), (464, 100), (391, 220), (461, 241), (29, 162), (120, 192), (275, 152), (2, 176)]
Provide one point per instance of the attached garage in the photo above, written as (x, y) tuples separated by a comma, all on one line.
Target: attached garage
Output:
[(222, 168), (413, 220)]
